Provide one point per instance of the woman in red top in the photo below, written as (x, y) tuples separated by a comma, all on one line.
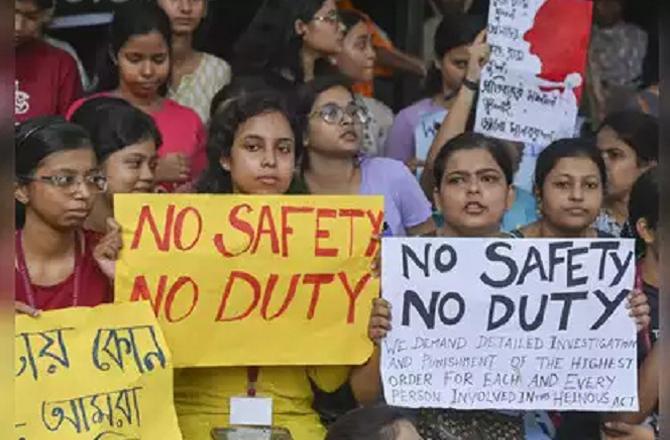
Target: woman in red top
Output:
[(137, 70), (58, 264)]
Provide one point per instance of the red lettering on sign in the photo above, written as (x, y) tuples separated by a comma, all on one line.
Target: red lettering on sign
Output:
[(141, 292), (351, 213), (353, 294), (176, 288), (286, 229), (146, 216), (179, 228), (266, 226), (288, 299), (239, 224), (377, 222), (256, 288), (317, 280), (323, 233)]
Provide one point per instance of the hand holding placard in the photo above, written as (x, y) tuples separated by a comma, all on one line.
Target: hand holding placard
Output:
[(102, 372), (510, 324), (239, 268)]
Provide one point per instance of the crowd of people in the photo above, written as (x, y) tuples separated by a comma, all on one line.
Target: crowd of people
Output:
[(294, 113)]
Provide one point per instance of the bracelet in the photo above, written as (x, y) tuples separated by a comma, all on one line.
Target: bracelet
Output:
[(474, 86)]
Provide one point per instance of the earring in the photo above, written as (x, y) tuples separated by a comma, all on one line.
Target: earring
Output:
[(112, 57)]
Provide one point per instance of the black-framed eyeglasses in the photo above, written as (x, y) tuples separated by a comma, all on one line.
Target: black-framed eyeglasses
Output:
[(333, 17), (69, 183), (333, 114)]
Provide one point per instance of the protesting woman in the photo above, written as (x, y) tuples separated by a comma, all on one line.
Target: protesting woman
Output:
[(628, 141), (137, 69), (196, 76), (570, 182), (643, 219), (125, 141), (453, 40), (289, 38), (474, 190), (333, 163), (357, 62), (252, 148), (473, 176), (58, 264)]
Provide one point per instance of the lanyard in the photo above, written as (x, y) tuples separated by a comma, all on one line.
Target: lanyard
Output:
[(25, 276), (252, 379), (639, 284)]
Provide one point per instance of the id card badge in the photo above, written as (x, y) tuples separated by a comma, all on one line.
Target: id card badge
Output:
[(251, 411)]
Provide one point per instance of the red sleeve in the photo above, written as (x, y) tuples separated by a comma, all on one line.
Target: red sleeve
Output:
[(69, 89), (199, 160)]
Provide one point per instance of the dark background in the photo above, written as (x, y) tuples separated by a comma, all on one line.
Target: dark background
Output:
[(402, 20)]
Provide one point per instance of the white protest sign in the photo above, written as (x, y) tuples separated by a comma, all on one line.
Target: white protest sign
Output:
[(425, 133), (531, 86), (509, 324)]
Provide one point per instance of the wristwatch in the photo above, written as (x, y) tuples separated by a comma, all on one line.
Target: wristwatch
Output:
[(474, 86)]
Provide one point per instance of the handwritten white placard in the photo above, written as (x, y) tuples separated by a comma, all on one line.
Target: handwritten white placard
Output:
[(509, 324), (531, 86)]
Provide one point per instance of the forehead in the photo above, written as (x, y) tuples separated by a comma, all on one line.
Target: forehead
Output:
[(460, 52), (26, 6), (471, 161), (575, 167), (327, 6), (338, 95), (608, 138), (81, 159), (150, 42), (359, 30), (145, 147), (269, 125)]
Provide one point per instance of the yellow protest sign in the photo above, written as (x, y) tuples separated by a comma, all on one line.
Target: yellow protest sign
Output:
[(100, 373), (251, 280)]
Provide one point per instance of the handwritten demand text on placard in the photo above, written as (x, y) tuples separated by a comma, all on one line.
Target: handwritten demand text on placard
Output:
[(509, 324), (93, 373), (531, 87), (251, 280)]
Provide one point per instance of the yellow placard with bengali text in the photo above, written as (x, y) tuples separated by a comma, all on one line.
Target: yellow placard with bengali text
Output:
[(102, 373), (253, 280)]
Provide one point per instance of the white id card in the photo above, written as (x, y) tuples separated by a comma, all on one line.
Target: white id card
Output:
[(251, 411)]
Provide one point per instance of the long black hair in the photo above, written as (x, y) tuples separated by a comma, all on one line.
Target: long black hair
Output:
[(455, 30), (35, 140), (638, 130), (114, 124), (350, 18), (224, 125), (271, 42), (643, 204), (135, 17)]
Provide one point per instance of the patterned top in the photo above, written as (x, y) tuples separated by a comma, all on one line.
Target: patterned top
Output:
[(380, 119), (618, 53), (606, 223), (197, 89)]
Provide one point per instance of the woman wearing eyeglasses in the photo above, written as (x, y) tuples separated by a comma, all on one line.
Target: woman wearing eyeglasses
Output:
[(289, 38), (57, 263), (333, 164)]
